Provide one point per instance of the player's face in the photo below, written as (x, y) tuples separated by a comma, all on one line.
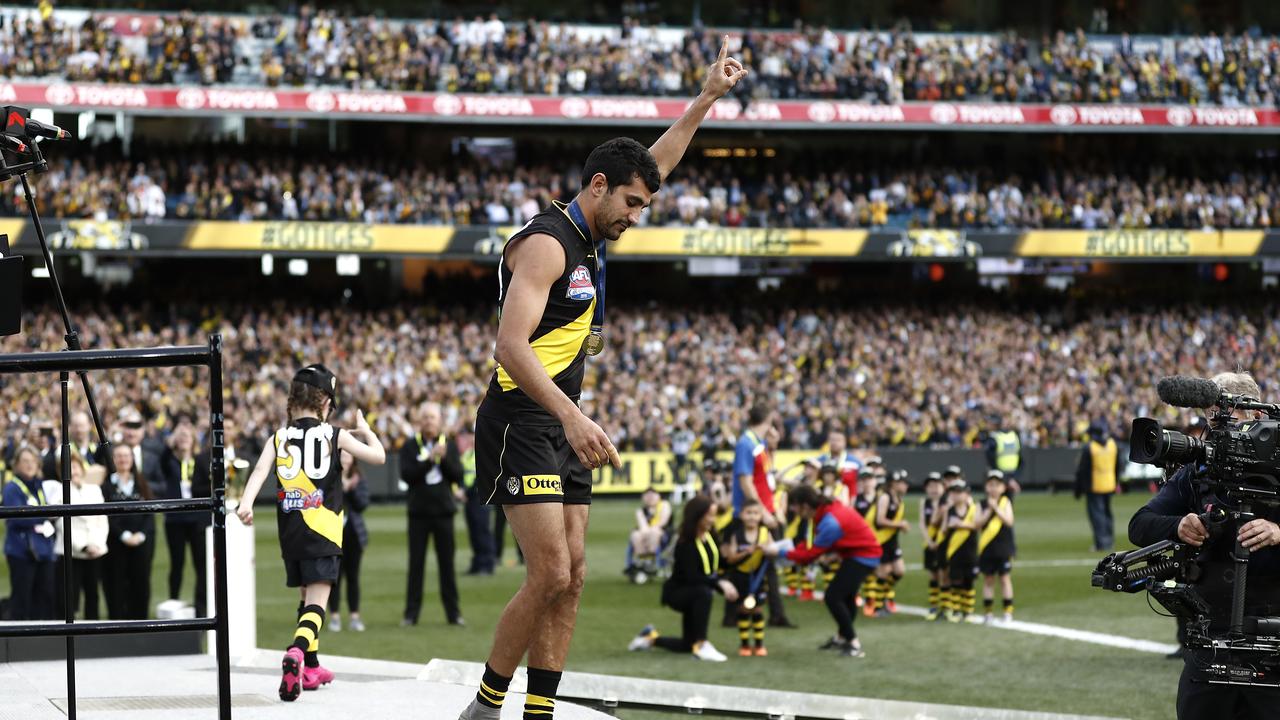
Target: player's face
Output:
[(933, 490), (995, 488), (620, 208), (751, 516)]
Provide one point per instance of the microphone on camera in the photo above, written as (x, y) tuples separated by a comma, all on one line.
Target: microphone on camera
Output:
[(1188, 392), (19, 123)]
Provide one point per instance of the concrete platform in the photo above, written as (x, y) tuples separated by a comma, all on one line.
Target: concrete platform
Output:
[(185, 688)]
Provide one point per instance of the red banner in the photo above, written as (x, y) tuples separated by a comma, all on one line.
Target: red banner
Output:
[(812, 114)]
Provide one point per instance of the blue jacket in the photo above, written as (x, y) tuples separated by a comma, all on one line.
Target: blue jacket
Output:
[(20, 538)]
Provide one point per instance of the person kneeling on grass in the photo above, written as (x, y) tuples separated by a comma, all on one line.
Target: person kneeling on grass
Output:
[(305, 456), (695, 577), (840, 534)]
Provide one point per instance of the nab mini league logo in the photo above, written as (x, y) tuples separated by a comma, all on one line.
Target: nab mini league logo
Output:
[(580, 285), (291, 500)]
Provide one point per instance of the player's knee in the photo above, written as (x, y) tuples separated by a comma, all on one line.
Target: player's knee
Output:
[(577, 580), (551, 586)]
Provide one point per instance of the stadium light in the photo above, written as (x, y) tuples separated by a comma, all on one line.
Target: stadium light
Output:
[(268, 264), (349, 265), (298, 267)]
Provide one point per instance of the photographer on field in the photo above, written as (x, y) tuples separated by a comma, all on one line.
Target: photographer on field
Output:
[(1173, 514)]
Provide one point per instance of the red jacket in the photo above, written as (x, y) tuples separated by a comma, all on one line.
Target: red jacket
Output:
[(839, 529)]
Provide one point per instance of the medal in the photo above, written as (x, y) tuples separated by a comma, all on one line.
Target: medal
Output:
[(594, 344), (750, 602)]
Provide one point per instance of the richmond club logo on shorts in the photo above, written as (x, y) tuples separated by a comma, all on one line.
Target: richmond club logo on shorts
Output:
[(513, 485), (580, 285)]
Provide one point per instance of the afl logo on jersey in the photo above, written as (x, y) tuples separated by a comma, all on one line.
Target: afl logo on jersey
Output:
[(580, 285)]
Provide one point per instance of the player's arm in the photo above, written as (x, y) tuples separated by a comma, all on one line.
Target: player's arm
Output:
[(721, 77), (925, 525), (536, 262), (1004, 511), (259, 475), (362, 443)]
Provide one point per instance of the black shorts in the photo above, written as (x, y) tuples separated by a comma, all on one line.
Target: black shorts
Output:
[(742, 583), (995, 564), (932, 559), (962, 568), (312, 570), (526, 464), (890, 551)]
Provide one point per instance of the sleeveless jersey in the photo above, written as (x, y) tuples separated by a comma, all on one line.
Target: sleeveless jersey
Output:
[(654, 514), (753, 561), (961, 541), (931, 518), (309, 495), (896, 511), (996, 537), (867, 507), (565, 323)]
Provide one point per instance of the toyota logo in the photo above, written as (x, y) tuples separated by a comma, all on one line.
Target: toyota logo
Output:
[(60, 95), (822, 112), (1063, 115), (191, 98), (575, 108), (1179, 116), (321, 101), (943, 114), (447, 105)]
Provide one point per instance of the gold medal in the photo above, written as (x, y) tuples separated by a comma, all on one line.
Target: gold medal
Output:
[(594, 344), (749, 602)]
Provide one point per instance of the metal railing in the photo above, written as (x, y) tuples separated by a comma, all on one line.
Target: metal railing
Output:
[(65, 363)]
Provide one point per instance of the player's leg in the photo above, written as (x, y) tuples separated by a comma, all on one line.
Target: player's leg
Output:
[(550, 647), (988, 596), (1006, 591)]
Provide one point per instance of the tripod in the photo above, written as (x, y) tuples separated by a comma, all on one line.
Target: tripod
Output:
[(37, 163)]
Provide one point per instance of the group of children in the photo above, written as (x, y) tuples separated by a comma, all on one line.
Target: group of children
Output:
[(963, 538)]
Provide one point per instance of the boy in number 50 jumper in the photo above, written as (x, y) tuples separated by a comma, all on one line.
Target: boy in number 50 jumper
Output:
[(305, 456)]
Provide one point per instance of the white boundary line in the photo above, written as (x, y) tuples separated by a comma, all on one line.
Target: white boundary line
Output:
[(1097, 638)]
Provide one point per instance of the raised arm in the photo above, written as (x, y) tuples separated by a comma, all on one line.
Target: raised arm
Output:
[(721, 77), (362, 443)]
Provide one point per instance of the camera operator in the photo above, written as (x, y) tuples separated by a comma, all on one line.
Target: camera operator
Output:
[(1173, 515)]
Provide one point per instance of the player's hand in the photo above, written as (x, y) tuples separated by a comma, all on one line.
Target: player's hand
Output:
[(723, 74), (730, 592), (591, 444), (770, 521), (361, 423), (1258, 534), (245, 513), (1193, 532), (906, 527)]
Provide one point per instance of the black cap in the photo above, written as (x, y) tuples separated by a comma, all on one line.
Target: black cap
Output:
[(902, 475), (995, 474), (320, 377), (953, 470), (957, 485), (933, 477)]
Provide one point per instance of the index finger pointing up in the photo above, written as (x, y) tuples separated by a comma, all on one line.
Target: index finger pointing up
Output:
[(724, 49)]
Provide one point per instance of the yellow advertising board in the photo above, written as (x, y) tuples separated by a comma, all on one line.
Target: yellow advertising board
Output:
[(327, 237), (1139, 243), (725, 242)]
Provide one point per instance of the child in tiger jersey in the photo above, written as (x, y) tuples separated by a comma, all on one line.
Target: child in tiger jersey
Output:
[(961, 546), (744, 554), (931, 523), (304, 458), (890, 522), (865, 504), (996, 546)]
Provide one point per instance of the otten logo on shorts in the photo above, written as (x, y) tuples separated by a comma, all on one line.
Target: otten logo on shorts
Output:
[(543, 485), (580, 285), (295, 499)]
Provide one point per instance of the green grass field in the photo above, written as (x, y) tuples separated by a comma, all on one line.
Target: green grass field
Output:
[(908, 658)]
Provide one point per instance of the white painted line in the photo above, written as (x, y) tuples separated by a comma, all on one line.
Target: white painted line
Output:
[(1097, 638)]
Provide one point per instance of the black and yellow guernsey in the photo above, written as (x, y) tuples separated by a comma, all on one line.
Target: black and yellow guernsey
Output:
[(565, 323), (309, 509)]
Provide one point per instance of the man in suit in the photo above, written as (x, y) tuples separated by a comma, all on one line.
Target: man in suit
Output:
[(431, 468), (80, 431)]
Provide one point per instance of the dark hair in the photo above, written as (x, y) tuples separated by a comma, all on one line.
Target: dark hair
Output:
[(305, 398), (808, 496), (758, 414), (621, 160), (693, 512)]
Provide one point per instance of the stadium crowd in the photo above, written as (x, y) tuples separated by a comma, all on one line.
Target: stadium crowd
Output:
[(892, 375), (215, 182), (492, 55)]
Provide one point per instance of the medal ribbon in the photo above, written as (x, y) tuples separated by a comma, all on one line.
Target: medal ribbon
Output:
[(580, 220), (757, 577)]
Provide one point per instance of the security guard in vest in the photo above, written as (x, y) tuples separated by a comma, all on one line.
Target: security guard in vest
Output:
[(478, 515), (1004, 453), (1097, 477)]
